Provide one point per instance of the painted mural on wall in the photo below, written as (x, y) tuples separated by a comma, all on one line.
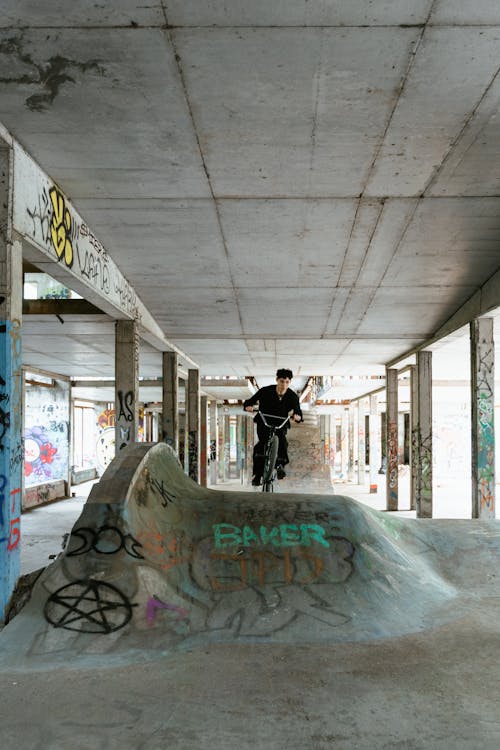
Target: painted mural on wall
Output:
[(105, 448), (105, 440), (46, 433)]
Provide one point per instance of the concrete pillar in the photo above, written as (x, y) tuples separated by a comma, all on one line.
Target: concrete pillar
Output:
[(333, 440), (183, 447), (322, 436), (351, 439), (126, 383), (182, 415), (170, 396), (193, 424), (222, 446), (213, 442), (249, 447), (227, 447), (241, 446), (328, 440), (423, 435), (203, 440), (392, 439), (414, 460), (374, 424), (361, 443), (344, 443), (11, 436), (483, 412)]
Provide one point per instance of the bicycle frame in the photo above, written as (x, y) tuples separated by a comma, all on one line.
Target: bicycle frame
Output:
[(271, 450)]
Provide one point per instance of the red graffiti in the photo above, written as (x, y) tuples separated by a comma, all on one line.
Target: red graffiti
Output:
[(15, 533)]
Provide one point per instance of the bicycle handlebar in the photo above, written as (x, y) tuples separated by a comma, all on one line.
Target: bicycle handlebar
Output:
[(274, 416)]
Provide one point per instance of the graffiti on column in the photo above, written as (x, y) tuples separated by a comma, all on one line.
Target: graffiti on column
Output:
[(485, 447), (17, 446), (125, 415), (485, 430), (10, 519), (193, 454), (4, 424), (392, 460), (425, 454), (213, 450), (11, 445)]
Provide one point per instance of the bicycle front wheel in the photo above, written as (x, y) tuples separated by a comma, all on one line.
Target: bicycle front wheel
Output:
[(270, 460)]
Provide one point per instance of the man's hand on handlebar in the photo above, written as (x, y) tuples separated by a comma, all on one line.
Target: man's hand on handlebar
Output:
[(296, 418), (249, 408)]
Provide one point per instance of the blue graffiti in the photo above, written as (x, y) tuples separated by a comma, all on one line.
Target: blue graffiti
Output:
[(3, 484)]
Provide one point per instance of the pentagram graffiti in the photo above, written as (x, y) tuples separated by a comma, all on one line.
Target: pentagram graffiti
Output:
[(88, 607)]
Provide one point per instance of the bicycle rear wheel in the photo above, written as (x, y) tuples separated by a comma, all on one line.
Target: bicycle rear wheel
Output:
[(270, 457)]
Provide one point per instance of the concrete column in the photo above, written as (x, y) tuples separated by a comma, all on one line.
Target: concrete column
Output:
[(126, 383), (483, 412), (333, 440), (183, 447), (249, 447), (213, 442), (344, 444), (170, 396), (193, 424), (423, 432), (392, 439), (222, 446), (203, 440), (322, 436), (240, 446), (351, 431), (361, 443), (375, 458), (414, 461), (183, 441), (227, 447), (330, 431), (11, 435)]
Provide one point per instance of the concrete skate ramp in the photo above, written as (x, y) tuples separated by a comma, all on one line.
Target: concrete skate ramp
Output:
[(157, 563)]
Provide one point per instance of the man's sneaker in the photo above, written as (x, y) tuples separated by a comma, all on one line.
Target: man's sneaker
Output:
[(280, 472), (255, 481)]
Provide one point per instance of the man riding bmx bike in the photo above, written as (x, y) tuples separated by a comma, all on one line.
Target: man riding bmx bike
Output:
[(278, 400)]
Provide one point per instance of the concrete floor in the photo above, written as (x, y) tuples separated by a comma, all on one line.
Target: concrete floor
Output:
[(43, 528), (432, 690)]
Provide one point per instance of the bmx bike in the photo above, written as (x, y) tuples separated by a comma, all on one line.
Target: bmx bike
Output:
[(271, 450)]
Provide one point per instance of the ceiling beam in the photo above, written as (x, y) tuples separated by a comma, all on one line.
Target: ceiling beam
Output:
[(59, 307), (58, 241)]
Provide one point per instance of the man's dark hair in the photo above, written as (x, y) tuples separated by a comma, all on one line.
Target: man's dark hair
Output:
[(283, 373)]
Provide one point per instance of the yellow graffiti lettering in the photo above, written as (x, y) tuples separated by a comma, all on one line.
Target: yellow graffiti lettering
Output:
[(60, 227)]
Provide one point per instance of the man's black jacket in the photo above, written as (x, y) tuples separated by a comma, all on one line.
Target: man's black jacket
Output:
[(270, 403)]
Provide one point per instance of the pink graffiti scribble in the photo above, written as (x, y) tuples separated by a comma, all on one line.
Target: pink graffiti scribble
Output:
[(154, 604)]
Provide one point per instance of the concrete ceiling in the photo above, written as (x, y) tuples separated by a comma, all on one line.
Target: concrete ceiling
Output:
[(313, 185)]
